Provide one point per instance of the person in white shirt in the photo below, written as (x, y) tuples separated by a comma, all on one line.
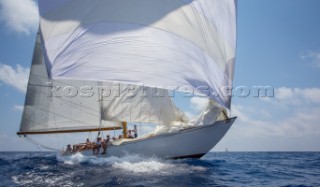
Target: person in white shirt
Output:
[(96, 147), (129, 134)]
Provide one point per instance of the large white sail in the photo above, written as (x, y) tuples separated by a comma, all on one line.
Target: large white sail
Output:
[(148, 44), (152, 42), (139, 104), (55, 106), (46, 110)]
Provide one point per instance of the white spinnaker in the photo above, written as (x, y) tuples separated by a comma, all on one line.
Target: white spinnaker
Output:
[(211, 113), (139, 104), (152, 42)]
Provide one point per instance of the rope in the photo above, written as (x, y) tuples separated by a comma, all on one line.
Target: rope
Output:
[(58, 141), (89, 135), (39, 145), (162, 100)]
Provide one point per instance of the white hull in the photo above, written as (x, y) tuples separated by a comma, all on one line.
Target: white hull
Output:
[(188, 143)]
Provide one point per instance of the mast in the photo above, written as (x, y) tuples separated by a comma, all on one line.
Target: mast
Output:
[(100, 106), (124, 129)]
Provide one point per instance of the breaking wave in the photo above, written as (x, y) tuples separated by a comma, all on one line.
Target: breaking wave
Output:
[(134, 164)]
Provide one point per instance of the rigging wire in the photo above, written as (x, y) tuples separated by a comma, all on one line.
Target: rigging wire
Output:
[(39, 145), (89, 135), (162, 101), (58, 140), (100, 106), (55, 123)]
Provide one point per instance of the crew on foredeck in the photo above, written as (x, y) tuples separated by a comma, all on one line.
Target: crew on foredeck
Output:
[(130, 134), (87, 145), (68, 150), (105, 144), (96, 146)]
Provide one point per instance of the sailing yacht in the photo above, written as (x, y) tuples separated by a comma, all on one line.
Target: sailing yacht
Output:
[(99, 65)]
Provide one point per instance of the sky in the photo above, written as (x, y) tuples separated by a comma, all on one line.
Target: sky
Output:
[(278, 45)]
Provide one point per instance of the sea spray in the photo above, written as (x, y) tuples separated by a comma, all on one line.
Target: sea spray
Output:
[(133, 164)]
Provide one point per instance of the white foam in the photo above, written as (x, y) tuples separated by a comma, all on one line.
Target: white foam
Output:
[(156, 166), (16, 180), (135, 164), (73, 159), (148, 166), (43, 167), (32, 178)]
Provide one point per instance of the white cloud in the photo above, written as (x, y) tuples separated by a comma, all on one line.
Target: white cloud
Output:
[(238, 110), (198, 103), (312, 57), (296, 96), (299, 123), (15, 77), (288, 122), (284, 93), (311, 94), (20, 15), (18, 108), (299, 119)]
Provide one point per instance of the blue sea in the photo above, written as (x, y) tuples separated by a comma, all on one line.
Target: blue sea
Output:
[(215, 169)]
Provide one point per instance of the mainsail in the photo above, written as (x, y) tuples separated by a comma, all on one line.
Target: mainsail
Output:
[(158, 45), (46, 111)]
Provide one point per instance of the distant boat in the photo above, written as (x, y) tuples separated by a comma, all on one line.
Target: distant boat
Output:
[(226, 150), (98, 65)]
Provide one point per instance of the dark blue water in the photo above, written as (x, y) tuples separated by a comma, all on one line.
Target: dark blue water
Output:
[(215, 169)]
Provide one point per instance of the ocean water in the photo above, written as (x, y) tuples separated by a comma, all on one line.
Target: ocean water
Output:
[(215, 169)]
